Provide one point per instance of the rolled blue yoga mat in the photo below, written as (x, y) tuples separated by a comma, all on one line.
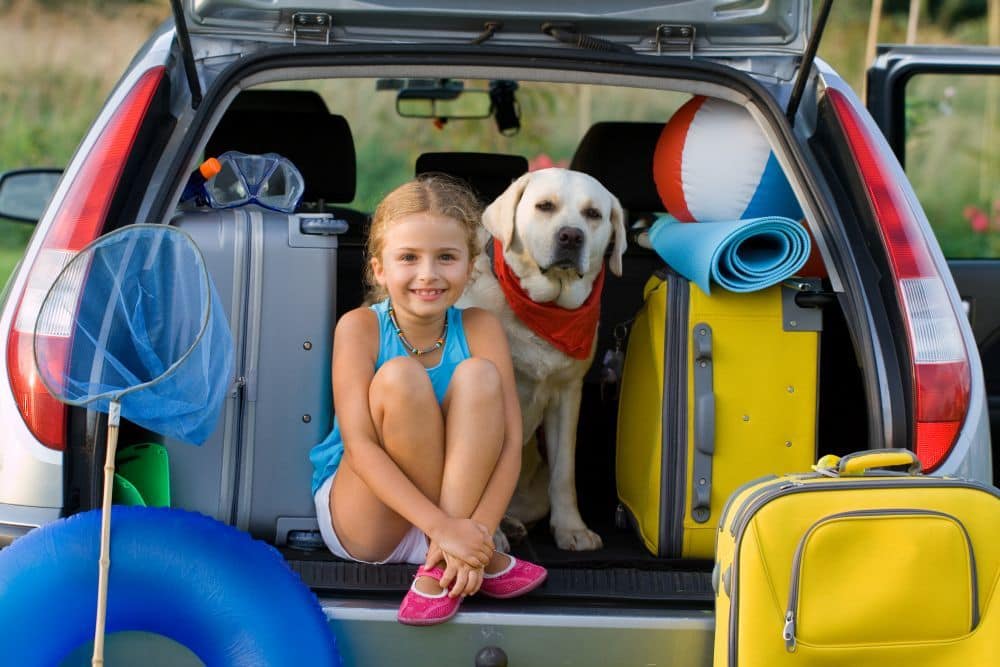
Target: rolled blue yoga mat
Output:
[(739, 255)]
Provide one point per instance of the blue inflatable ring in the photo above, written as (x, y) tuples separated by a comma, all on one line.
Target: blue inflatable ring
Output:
[(230, 599)]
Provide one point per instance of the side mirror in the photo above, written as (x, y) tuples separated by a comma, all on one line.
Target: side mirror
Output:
[(24, 193)]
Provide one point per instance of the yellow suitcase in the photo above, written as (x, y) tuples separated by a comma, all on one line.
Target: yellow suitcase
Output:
[(716, 390), (855, 565)]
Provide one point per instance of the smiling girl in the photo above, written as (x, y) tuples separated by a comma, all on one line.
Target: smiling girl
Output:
[(426, 443)]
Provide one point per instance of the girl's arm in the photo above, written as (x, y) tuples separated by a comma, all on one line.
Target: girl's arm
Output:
[(355, 352), (488, 340)]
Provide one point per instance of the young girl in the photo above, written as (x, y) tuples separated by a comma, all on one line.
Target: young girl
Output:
[(426, 445)]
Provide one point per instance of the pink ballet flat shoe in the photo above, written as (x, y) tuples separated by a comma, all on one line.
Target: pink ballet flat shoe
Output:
[(518, 578), (423, 609)]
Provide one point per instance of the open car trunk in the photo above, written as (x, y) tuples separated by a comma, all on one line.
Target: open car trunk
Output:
[(352, 147)]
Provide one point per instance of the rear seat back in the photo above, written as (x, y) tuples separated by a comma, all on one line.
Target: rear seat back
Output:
[(620, 156), (297, 125), (488, 174)]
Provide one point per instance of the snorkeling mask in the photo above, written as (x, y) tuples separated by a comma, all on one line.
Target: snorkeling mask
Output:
[(268, 180)]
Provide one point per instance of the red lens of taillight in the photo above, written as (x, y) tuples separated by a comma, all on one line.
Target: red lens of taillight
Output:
[(940, 371), (78, 221), (942, 400)]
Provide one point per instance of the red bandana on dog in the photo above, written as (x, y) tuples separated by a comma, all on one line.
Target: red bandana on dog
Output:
[(571, 331)]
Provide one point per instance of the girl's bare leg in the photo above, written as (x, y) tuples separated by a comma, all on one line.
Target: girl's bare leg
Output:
[(410, 426), (474, 433), (474, 427), (450, 458), (473, 437)]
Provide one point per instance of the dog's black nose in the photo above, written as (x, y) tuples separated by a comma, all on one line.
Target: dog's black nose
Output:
[(570, 238)]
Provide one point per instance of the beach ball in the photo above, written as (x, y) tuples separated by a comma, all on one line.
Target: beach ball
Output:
[(713, 163)]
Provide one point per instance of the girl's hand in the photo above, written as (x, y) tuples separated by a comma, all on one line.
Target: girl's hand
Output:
[(434, 555), (455, 571), (465, 540), (460, 579)]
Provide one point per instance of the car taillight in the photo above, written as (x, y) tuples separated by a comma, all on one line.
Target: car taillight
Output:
[(79, 219), (940, 362)]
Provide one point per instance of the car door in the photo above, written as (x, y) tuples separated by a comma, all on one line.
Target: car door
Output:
[(939, 107)]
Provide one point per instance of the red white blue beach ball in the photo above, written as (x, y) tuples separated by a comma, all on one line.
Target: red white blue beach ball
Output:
[(713, 163)]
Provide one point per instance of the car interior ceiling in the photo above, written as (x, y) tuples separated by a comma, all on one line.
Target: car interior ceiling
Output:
[(298, 125)]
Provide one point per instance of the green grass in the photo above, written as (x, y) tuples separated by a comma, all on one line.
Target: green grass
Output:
[(13, 238), (953, 126), (45, 122)]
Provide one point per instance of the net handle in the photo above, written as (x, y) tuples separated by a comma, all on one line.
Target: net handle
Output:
[(104, 563)]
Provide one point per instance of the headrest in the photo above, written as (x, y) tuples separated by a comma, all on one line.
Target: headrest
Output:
[(279, 100), (294, 124), (489, 174), (620, 156)]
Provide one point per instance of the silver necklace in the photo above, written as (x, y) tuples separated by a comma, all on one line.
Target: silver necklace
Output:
[(412, 349)]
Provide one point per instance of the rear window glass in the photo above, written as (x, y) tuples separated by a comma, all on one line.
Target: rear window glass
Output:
[(553, 118)]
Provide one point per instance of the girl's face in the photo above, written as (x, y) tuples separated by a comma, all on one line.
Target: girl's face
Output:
[(424, 263)]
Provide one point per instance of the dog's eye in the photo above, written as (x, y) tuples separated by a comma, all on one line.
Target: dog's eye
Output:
[(592, 213), (545, 206)]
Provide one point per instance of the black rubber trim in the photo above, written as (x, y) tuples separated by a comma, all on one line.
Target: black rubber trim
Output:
[(604, 583)]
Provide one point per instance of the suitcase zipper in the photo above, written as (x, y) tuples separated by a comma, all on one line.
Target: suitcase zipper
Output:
[(233, 436), (786, 486), (736, 493), (674, 418), (242, 483), (750, 506), (788, 633)]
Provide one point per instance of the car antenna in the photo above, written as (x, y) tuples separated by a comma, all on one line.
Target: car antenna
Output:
[(187, 53), (807, 62)]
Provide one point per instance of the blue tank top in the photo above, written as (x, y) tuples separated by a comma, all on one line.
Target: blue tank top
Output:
[(326, 456)]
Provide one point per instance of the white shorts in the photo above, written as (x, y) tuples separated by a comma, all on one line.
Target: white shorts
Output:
[(411, 549)]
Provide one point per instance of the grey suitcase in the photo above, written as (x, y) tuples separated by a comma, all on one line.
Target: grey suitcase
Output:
[(276, 275)]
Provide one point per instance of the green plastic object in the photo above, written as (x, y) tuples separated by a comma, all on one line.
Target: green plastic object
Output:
[(124, 493), (146, 467)]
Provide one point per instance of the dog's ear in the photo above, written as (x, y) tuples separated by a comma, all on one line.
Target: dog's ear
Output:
[(618, 225), (498, 217)]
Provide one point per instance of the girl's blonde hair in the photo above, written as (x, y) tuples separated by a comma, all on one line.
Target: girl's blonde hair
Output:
[(438, 194)]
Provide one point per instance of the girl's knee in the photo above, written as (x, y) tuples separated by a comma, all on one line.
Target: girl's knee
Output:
[(402, 377), (477, 375)]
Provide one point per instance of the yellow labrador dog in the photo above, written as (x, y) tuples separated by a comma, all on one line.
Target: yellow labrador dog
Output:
[(542, 275)]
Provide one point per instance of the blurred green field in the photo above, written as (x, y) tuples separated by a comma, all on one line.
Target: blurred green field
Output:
[(953, 129), (13, 238), (61, 59)]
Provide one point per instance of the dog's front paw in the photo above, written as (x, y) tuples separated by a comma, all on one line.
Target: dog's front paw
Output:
[(500, 542), (513, 529), (579, 539)]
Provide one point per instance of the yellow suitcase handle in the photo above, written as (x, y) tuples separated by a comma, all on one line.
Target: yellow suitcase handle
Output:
[(860, 463)]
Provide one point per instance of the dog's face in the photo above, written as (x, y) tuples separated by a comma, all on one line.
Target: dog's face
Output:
[(555, 225)]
